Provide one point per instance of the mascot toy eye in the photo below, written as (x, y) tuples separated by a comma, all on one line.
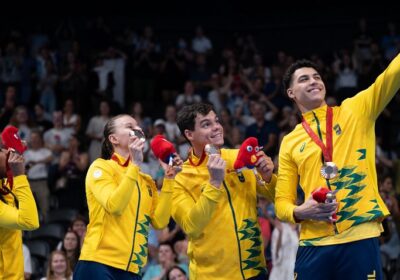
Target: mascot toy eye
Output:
[(247, 154)]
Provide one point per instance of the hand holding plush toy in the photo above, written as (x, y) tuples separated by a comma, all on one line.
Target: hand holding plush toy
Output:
[(247, 157), (11, 140), (13, 143), (163, 149), (166, 153), (247, 154), (324, 195)]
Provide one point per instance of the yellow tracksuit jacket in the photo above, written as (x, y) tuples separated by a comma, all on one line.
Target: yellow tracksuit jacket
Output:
[(122, 203), (361, 208), (224, 235)]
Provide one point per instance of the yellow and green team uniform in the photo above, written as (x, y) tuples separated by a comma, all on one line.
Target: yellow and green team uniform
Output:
[(361, 209), (12, 221), (224, 235), (122, 202)]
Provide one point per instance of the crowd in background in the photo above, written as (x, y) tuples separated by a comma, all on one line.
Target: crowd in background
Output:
[(59, 90)]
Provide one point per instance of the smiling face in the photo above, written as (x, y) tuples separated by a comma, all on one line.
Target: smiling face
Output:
[(307, 89), (207, 130), (59, 264)]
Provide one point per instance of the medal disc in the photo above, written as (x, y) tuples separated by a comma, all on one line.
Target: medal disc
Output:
[(329, 170), (211, 149)]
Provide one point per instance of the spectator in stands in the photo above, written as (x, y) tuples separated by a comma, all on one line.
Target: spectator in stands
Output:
[(58, 267), (71, 247), (37, 159), (166, 260), (47, 87), (201, 43), (266, 131), (72, 168), (56, 139), (392, 246), (176, 273), (20, 119), (41, 118), (79, 225), (71, 119), (27, 262), (188, 97), (94, 130), (123, 202), (17, 212), (10, 102)]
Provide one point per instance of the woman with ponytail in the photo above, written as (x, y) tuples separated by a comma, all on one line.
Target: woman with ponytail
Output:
[(122, 202)]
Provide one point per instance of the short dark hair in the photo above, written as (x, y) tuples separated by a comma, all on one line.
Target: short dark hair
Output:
[(187, 115), (287, 78)]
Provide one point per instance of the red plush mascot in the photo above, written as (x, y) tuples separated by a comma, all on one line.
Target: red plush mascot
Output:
[(163, 149), (247, 154), (12, 143), (247, 158)]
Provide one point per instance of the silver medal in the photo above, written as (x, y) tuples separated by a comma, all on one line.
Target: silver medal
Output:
[(329, 170), (211, 149)]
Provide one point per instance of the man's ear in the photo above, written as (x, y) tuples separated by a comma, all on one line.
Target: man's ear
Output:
[(189, 134), (290, 93)]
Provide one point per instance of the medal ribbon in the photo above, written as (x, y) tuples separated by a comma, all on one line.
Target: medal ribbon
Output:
[(124, 164), (203, 156), (327, 150)]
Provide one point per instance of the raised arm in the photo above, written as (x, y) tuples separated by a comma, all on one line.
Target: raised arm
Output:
[(373, 100), (114, 198)]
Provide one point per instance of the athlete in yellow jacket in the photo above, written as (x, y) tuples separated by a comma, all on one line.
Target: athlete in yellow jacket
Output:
[(304, 161), (122, 202), (16, 214), (215, 206)]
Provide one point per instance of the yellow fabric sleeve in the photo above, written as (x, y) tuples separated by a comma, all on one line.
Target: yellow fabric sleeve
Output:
[(285, 193), (24, 218), (268, 189), (163, 205), (114, 198), (192, 215), (373, 100)]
